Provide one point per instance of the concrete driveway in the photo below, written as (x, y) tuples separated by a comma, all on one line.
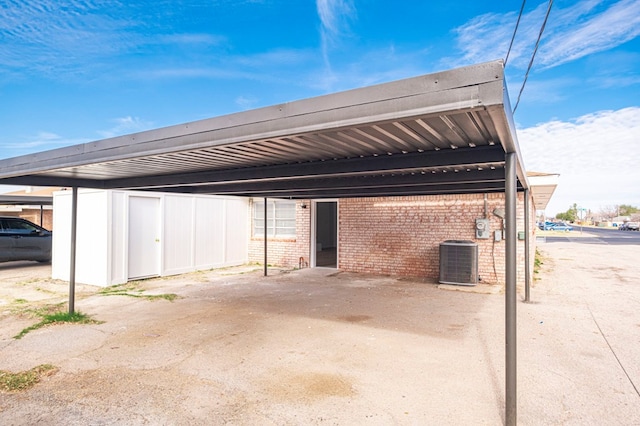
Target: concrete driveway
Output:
[(320, 347)]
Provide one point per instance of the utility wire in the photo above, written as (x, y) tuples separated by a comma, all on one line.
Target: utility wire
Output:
[(515, 30), (535, 50)]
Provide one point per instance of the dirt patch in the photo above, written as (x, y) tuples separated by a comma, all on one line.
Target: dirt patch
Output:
[(355, 318), (308, 387)]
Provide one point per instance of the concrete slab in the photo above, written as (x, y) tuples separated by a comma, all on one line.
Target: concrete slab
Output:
[(327, 347)]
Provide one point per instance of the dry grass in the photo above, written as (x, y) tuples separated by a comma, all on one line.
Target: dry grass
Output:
[(23, 380)]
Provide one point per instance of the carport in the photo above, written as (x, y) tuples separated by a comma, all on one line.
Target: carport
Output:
[(450, 132), (27, 200)]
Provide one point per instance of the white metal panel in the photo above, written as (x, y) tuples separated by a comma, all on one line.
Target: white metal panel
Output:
[(91, 240), (210, 238), (144, 237), (61, 236), (178, 234), (237, 230), (118, 234)]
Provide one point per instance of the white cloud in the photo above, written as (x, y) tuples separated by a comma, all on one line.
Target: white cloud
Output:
[(126, 125), (596, 156), (50, 35), (578, 36), (581, 29), (66, 38), (38, 142), (246, 102), (44, 140), (334, 18), (192, 39)]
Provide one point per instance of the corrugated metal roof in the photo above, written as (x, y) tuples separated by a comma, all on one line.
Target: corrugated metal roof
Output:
[(435, 133)]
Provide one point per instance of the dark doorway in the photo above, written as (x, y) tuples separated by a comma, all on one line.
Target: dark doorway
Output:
[(326, 241)]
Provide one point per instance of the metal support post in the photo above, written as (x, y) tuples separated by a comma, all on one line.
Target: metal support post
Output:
[(265, 237), (527, 249), (72, 254), (510, 291)]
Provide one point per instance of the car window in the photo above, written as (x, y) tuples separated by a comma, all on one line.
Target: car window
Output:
[(18, 227)]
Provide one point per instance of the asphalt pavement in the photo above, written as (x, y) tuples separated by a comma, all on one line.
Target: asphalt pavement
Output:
[(595, 235)]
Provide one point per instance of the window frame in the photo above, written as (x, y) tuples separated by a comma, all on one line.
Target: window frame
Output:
[(281, 219)]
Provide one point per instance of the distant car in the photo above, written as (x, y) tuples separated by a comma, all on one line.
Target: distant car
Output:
[(546, 225), (629, 226), (23, 240), (561, 226)]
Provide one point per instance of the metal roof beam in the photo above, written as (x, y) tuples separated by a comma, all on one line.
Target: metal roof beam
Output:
[(473, 188), (379, 181), (46, 180), (471, 157)]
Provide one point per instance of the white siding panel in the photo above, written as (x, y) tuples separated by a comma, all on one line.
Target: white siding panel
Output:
[(197, 232), (119, 246), (91, 237), (237, 231), (209, 233), (61, 236), (178, 234)]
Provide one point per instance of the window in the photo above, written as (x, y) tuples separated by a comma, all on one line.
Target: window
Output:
[(281, 218), (16, 226)]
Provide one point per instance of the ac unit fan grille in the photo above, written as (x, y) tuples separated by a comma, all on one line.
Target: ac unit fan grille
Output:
[(459, 262)]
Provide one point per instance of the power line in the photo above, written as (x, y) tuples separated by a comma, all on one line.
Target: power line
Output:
[(515, 30), (535, 50)]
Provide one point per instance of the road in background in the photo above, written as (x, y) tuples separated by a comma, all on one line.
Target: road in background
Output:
[(592, 235)]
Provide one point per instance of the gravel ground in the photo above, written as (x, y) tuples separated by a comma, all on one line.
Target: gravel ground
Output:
[(320, 347)]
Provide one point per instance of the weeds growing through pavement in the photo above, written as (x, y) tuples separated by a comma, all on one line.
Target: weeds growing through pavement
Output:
[(58, 318), (15, 382)]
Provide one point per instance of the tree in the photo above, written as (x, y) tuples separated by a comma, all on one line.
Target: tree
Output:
[(627, 210), (608, 212), (570, 215)]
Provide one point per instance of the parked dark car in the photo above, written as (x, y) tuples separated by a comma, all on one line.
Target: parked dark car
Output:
[(23, 240), (629, 226)]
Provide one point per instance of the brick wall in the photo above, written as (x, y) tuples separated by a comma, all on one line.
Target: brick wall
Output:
[(33, 215), (284, 251), (402, 235)]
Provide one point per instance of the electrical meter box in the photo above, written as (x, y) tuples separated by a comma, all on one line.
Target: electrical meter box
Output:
[(482, 229)]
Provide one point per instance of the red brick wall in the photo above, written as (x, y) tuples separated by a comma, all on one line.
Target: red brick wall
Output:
[(33, 215), (402, 235), (285, 251)]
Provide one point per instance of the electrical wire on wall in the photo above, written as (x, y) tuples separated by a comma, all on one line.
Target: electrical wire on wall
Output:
[(535, 50)]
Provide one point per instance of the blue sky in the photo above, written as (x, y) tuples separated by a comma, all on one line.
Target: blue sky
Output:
[(73, 71)]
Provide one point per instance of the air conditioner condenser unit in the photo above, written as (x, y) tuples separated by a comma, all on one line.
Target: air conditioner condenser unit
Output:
[(458, 262)]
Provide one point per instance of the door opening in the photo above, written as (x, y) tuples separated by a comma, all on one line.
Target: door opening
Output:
[(326, 234)]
